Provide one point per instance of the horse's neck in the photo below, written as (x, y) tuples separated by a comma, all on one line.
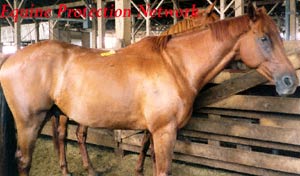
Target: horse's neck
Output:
[(199, 62)]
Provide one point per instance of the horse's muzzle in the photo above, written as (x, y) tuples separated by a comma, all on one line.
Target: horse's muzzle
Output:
[(286, 84)]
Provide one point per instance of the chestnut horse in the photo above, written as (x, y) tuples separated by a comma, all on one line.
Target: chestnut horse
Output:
[(150, 85), (204, 17), (59, 122)]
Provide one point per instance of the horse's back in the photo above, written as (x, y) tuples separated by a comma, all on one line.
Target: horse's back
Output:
[(30, 74)]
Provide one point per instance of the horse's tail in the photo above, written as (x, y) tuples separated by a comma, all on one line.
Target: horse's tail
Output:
[(8, 141)]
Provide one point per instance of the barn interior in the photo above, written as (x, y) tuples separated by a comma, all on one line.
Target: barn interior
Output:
[(111, 32), (240, 125)]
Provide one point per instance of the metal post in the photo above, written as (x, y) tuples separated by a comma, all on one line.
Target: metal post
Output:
[(293, 27), (239, 7), (17, 28), (37, 31), (101, 25), (123, 24), (174, 13), (222, 9), (132, 29), (287, 19), (148, 18), (53, 31), (1, 45)]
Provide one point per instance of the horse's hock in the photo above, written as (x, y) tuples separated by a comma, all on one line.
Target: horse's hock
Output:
[(241, 124)]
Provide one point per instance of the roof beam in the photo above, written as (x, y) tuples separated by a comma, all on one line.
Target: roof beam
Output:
[(69, 5)]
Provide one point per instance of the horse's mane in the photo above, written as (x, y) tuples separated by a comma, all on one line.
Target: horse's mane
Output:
[(221, 30), (186, 23), (226, 29), (181, 26)]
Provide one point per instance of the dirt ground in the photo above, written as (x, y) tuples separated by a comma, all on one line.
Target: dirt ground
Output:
[(45, 162)]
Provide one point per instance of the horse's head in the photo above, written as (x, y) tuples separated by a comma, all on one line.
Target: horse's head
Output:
[(262, 48), (206, 16)]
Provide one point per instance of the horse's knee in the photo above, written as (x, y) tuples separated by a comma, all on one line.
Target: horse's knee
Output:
[(81, 134), (61, 134), (23, 163)]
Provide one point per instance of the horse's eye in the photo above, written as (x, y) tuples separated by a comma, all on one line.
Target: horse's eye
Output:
[(264, 39)]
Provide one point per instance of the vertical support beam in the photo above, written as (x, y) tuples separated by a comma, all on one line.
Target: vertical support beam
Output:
[(174, 13), (239, 7), (132, 29), (17, 28), (222, 9), (101, 25), (94, 34), (1, 45), (293, 27), (148, 18), (123, 25), (37, 31), (85, 39), (287, 19), (65, 35), (53, 31)]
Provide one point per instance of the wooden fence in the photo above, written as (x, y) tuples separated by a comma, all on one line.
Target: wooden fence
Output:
[(237, 125)]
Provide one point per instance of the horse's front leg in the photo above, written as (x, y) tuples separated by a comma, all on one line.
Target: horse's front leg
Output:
[(164, 140), (81, 134)]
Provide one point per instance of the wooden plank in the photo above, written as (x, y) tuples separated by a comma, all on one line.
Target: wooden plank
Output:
[(258, 103), (226, 75), (265, 119), (229, 166), (95, 136), (251, 131), (237, 140), (249, 158), (215, 163), (228, 88), (229, 155), (128, 133)]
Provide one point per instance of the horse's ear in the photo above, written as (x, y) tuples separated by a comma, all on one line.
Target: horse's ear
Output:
[(264, 10), (210, 8), (251, 11)]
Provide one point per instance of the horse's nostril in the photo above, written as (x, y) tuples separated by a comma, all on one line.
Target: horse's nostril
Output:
[(287, 80)]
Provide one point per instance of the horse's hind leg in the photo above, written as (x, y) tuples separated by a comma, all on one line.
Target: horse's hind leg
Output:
[(27, 132), (81, 134), (143, 152), (153, 156), (147, 140), (61, 130)]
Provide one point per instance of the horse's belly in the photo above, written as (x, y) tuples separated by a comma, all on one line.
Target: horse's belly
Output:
[(106, 114)]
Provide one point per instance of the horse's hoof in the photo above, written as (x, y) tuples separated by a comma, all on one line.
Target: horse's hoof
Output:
[(139, 174), (94, 174)]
